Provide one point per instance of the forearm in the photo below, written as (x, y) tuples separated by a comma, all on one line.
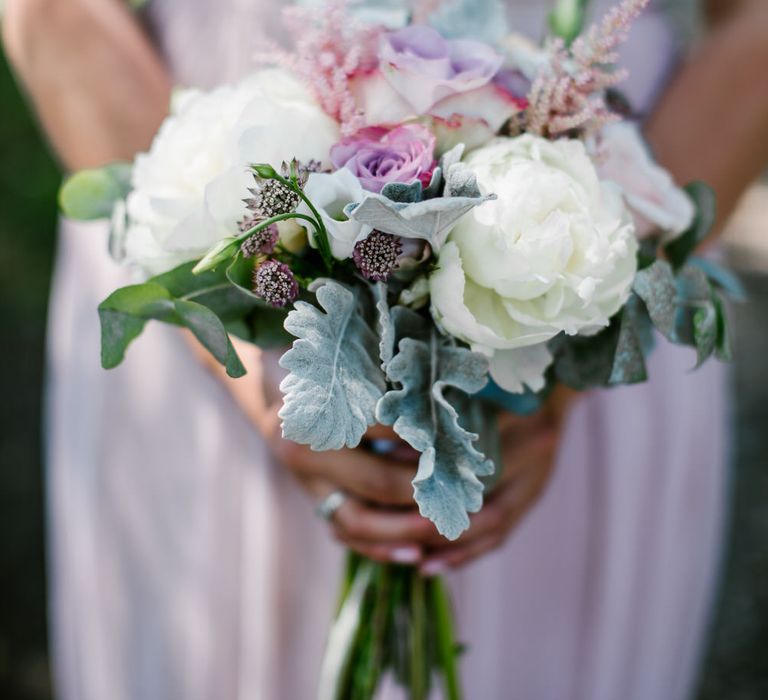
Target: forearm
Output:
[(97, 84), (712, 123)]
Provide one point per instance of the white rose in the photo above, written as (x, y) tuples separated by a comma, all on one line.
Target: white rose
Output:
[(556, 252), (654, 199), (329, 194), (188, 189)]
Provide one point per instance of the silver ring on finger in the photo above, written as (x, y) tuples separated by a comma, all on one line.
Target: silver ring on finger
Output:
[(327, 508)]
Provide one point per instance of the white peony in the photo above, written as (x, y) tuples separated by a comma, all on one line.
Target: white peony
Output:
[(654, 199), (189, 187), (556, 252)]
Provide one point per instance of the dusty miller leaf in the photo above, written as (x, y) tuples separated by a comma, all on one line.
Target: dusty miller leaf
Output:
[(430, 220), (335, 380), (447, 485)]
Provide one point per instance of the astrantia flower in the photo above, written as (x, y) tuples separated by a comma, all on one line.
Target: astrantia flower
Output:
[(272, 198), (377, 255), (378, 155), (188, 189), (274, 282), (260, 243), (556, 252)]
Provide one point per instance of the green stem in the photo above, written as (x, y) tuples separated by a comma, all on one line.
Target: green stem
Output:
[(419, 675), (275, 219), (323, 244), (372, 658), (447, 648)]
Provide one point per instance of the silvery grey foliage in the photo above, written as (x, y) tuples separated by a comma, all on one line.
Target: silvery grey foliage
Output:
[(656, 286), (335, 380), (629, 359), (395, 324), (447, 485), (429, 220)]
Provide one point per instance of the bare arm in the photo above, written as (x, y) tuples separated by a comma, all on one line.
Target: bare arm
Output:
[(96, 82), (712, 123)]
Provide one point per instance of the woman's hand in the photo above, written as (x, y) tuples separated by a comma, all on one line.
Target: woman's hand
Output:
[(378, 517)]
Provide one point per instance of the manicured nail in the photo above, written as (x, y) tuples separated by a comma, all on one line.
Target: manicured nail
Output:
[(433, 568), (405, 555)]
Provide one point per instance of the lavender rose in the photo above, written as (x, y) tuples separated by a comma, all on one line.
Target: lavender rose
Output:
[(425, 68), (378, 155)]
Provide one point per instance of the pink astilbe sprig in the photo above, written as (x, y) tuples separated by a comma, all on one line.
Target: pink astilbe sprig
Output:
[(569, 93), (330, 49)]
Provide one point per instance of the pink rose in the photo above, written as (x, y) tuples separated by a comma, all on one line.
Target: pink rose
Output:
[(425, 68), (378, 155)]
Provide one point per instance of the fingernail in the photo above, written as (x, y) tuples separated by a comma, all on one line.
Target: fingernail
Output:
[(405, 555), (433, 568)]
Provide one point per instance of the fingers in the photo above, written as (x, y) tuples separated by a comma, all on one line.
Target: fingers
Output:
[(387, 537), (368, 476), (386, 553), (356, 522), (461, 555)]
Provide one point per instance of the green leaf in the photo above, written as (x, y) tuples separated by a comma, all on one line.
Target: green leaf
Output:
[(125, 312), (447, 485), (656, 286), (92, 194), (209, 330), (123, 315), (679, 250), (335, 380)]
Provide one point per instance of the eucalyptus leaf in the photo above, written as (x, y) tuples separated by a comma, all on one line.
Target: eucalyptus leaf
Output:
[(125, 312), (726, 280), (705, 330), (656, 286), (629, 360), (694, 292), (92, 194), (681, 248), (585, 362), (123, 315), (447, 485), (335, 380), (723, 349)]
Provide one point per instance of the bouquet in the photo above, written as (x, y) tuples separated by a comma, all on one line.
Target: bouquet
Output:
[(436, 228)]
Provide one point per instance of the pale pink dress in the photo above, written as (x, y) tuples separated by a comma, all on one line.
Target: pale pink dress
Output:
[(186, 565)]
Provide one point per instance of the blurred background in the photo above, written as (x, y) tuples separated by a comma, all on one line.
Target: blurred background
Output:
[(736, 664)]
